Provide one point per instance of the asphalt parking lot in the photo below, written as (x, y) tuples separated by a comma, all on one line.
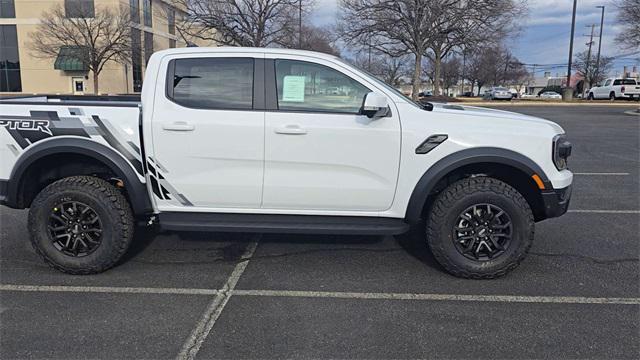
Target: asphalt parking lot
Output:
[(214, 295)]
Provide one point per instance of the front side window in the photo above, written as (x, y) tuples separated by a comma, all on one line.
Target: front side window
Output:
[(305, 86), (607, 83), (213, 83)]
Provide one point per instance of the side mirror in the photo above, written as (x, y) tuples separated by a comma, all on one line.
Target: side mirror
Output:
[(375, 106)]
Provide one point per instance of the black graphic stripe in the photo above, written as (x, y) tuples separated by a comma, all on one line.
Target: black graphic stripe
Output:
[(106, 134)]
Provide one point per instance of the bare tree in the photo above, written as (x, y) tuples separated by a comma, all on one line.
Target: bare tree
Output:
[(312, 38), (394, 28), (389, 69), (470, 24), (629, 22), (257, 23), (96, 38), (586, 67)]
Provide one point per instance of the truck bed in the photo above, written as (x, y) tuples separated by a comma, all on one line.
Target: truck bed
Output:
[(27, 122)]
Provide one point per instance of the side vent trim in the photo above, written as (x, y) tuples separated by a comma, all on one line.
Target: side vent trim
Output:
[(431, 143)]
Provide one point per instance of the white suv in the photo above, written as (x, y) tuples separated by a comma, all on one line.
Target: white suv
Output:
[(278, 140)]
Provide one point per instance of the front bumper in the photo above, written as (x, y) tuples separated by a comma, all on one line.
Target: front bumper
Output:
[(556, 201)]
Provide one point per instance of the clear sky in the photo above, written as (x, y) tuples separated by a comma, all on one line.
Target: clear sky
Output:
[(545, 32)]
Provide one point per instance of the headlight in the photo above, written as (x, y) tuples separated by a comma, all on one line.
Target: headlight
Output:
[(561, 151)]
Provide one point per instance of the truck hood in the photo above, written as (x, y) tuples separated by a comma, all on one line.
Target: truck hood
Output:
[(487, 114)]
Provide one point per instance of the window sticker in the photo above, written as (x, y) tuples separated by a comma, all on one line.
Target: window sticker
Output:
[(293, 88)]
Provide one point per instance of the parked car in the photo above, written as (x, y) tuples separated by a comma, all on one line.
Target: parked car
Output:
[(271, 152), (529, 96), (616, 89), (551, 95), (498, 93), (427, 93)]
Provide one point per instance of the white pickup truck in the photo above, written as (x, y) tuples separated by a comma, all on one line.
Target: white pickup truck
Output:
[(276, 140), (616, 89)]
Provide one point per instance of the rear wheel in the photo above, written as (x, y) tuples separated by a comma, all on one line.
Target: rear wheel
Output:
[(480, 228), (80, 225), (612, 96)]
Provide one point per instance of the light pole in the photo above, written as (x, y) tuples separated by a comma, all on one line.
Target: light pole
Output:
[(567, 95), (600, 40), (300, 24)]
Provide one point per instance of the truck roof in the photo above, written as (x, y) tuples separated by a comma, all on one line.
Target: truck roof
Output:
[(233, 49)]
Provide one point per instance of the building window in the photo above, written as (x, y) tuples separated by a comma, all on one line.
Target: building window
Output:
[(9, 61), (171, 20), (172, 43), (79, 8), (7, 9), (147, 13), (148, 46), (134, 10), (136, 60)]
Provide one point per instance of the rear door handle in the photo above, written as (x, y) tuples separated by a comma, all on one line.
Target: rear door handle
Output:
[(179, 126), (291, 129)]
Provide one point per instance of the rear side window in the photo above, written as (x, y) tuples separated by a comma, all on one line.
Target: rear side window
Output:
[(305, 86), (617, 82), (628, 82), (212, 83)]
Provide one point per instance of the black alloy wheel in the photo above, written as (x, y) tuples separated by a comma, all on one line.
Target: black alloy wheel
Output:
[(75, 228), (482, 232)]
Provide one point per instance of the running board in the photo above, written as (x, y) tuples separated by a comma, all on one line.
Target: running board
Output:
[(295, 224)]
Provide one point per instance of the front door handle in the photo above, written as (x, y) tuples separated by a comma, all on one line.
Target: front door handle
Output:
[(291, 129), (179, 126)]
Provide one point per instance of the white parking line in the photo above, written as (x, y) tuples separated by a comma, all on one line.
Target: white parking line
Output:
[(108, 289), (606, 211), (601, 173), (214, 310), (212, 313), (441, 297)]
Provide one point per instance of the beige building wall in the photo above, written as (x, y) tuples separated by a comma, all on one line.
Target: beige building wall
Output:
[(38, 75)]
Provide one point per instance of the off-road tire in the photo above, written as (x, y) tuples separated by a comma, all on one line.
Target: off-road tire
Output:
[(459, 196), (109, 204)]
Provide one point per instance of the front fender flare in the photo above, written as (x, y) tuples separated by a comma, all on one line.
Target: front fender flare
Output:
[(461, 158)]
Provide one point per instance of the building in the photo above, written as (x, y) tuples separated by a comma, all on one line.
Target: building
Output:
[(152, 28)]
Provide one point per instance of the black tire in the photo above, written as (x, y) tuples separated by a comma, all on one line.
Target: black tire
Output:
[(463, 194), (590, 96), (612, 96), (108, 205)]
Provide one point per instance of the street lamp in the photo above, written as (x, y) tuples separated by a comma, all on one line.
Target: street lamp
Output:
[(600, 40)]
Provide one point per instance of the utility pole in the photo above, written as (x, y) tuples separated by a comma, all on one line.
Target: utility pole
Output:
[(573, 29), (587, 68), (300, 24), (600, 41)]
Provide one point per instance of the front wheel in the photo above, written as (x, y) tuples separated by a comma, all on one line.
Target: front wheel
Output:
[(80, 225), (480, 228)]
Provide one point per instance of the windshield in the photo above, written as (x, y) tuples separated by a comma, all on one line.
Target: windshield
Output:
[(384, 84)]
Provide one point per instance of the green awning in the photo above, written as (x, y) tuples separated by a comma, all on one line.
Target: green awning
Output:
[(71, 58)]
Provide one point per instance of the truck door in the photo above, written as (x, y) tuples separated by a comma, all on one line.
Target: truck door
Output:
[(320, 153), (208, 133)]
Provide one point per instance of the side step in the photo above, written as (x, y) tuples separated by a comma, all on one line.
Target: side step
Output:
[(296, 224)]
